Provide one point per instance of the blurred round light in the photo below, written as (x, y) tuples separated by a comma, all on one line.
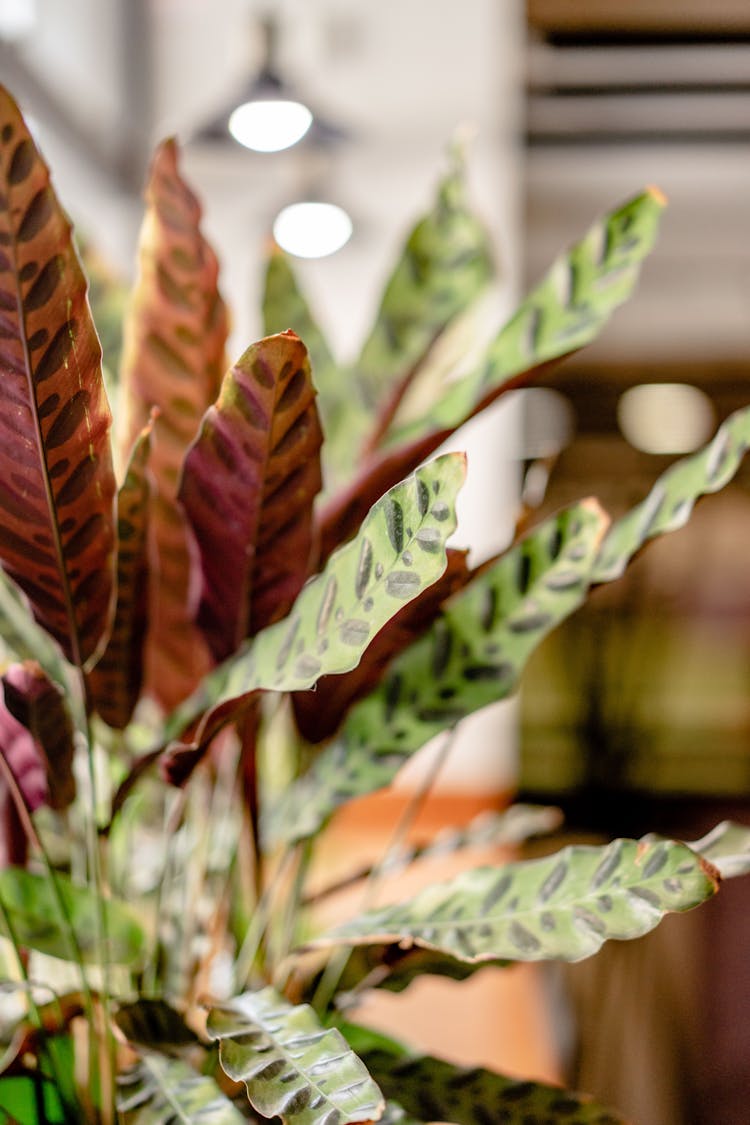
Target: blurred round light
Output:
[(17, 18), (665, 417), (269, 125), (312, 230)]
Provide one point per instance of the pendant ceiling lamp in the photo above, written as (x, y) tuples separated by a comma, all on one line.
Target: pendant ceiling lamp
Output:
[(268, 115)]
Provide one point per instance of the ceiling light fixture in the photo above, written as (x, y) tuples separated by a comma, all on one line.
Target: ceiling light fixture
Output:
[(268, 115), (311, 229)]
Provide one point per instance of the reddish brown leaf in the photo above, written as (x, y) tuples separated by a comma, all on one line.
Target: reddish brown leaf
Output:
[(173, 358), (115, 683), (39, 706), (180, 758), (248, 488), (342, 515), (56, 480), (318, 713)]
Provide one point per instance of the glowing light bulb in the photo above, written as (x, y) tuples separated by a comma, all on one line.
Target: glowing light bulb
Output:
[(312, 230), (270, 125)]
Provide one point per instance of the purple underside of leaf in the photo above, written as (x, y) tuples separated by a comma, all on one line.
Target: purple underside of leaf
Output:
[(24, 758), (248, 486), (39, 705)]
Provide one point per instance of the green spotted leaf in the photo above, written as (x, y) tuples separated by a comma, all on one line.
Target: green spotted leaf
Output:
[(167, 1091), (319, 713), (292, 1066), (566, 310), (472, 656), (670, 502), (56, 480), (399, 551), (430, 1089), (727, 847), (560, 908), (33, 907), (445, 265)]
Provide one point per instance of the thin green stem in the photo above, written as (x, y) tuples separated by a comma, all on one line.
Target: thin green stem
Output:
[(97, 877), (34, 1013), (173, 819), (74, 949), (334, 970), (258, 927)]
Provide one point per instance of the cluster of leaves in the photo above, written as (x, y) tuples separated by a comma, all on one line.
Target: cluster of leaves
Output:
[(165, 767)]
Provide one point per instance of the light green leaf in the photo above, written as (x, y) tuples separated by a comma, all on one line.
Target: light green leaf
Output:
[(291, 1065), (24, 639), (443, 268), (727, 847), (430, 1089), (565, 311), (399, 551), (472, 656), (284, 307), (562, 907), (33, 908), (26, 1100), (670, 502), (167, 1091)]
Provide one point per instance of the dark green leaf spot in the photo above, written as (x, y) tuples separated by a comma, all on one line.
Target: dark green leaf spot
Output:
[(354, 632), (394, 522), (402, 584)]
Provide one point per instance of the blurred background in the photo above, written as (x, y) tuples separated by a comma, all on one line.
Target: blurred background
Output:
[(635, 714)]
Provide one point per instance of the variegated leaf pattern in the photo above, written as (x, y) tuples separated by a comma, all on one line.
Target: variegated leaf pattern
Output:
[(56, 496), (472, 656), (444, 266), (399, 551), (670, 502), (318, 714), (32, 904), (430, 1089), (39, 705), (154, 1024), (285, 307), (248, 485), (114, 684), (727, 847), (168, 1091), (567, 310), (292, 1066), (560, 908), (173, 359)]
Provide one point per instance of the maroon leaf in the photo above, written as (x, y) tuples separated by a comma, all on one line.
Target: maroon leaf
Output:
[(248, 487), (25, 762), (173, 358), (319, 713), (56, 480), (39, 705), (115, 683)]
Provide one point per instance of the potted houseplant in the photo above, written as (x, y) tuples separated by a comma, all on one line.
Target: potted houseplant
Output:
[(202, 665)]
